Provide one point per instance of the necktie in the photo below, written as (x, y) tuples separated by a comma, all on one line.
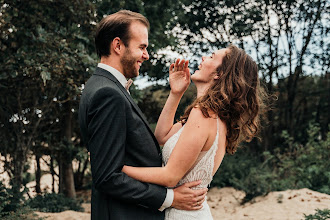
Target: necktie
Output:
[(128, 84)]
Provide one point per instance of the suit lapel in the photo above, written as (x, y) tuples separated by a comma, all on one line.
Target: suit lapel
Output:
[(105, 73)]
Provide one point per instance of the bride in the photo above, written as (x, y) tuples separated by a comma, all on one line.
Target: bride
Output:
[(225, 112)]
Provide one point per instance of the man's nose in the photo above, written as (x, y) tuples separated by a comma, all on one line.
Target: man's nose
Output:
[(145, 55), (203, 58)]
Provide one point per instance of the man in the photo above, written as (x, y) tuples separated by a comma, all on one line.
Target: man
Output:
[(116, 132)]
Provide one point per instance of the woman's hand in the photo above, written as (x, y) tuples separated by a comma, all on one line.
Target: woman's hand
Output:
[(179, 76)]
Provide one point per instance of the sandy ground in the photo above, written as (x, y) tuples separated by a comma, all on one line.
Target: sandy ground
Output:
[(283, 205), (225, 204)]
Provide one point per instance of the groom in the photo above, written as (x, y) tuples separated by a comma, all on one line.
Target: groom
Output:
[(116, 132)]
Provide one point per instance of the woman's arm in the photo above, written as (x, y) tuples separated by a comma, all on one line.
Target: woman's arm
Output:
[(179, 77), (184, 155)]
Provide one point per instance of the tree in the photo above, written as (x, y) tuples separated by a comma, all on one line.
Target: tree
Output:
[(285, 37), (45, 58)]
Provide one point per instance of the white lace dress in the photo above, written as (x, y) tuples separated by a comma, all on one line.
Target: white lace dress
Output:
[(201, 170)]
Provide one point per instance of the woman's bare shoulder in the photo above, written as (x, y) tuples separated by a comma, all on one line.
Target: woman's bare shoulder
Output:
[(198, 116)]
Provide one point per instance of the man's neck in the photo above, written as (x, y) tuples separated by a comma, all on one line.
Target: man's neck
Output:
[(113, 62)]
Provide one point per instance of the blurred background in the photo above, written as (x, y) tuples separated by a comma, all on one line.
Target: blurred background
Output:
[(47, 53)]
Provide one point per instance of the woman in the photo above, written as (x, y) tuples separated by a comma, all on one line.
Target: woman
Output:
[(224, 113)]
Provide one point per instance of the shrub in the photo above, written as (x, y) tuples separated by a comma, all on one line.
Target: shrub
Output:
[(307, 166), (301, 166), (12, 205), (53, 202), (11, 199), (234, 168), (319, 215), (4, 198), (24, 213), (244, 171)]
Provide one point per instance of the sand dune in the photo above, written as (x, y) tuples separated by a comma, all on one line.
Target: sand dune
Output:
[(283, 205), (225, 204)]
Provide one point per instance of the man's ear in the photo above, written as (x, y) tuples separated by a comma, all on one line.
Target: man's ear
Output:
[(117, 45)]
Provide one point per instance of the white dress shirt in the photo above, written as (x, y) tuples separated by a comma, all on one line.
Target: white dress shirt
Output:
[(122, 79), (119, 76)]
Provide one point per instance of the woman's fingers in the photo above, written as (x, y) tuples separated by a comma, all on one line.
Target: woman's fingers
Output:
[(186, 69), (186, 64), (176, 66), (172, 67), (179, 65)]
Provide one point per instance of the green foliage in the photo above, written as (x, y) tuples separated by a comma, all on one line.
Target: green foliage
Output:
[(4, 198), (233, 169), (12, 205), (244, 172), (46, 55), (54, 203), (305, 166), (153, 99), (297, 75), (319, 215), (24, 213)]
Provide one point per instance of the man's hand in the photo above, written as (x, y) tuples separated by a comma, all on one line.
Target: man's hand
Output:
[(186, 198), (179, 76)]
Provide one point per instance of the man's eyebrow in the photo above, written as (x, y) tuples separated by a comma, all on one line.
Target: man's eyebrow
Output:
[(213, 54)]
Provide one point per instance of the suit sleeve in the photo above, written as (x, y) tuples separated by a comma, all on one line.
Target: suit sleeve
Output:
[(107, 132)]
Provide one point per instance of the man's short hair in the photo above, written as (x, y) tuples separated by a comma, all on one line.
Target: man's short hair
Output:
[(116, 25)]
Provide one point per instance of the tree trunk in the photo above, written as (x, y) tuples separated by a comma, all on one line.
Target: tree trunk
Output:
[(69, 180), (53, 173), (61, 187), (67, 162), (80, 174), (38, 174), (19, 162)]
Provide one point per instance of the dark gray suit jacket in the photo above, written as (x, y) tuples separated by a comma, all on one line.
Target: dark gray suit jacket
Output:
[(116, 133)]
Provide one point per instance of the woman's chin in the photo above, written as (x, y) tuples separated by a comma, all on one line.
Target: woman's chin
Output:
[(194, 74), (194, 79)]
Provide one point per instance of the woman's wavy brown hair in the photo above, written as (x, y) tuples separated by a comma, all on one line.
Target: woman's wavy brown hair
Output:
[(235, 97)]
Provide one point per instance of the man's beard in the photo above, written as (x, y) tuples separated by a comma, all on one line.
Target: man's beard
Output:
[(128, 63)]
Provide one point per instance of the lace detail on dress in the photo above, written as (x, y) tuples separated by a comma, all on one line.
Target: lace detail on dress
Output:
[(201, 170)]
